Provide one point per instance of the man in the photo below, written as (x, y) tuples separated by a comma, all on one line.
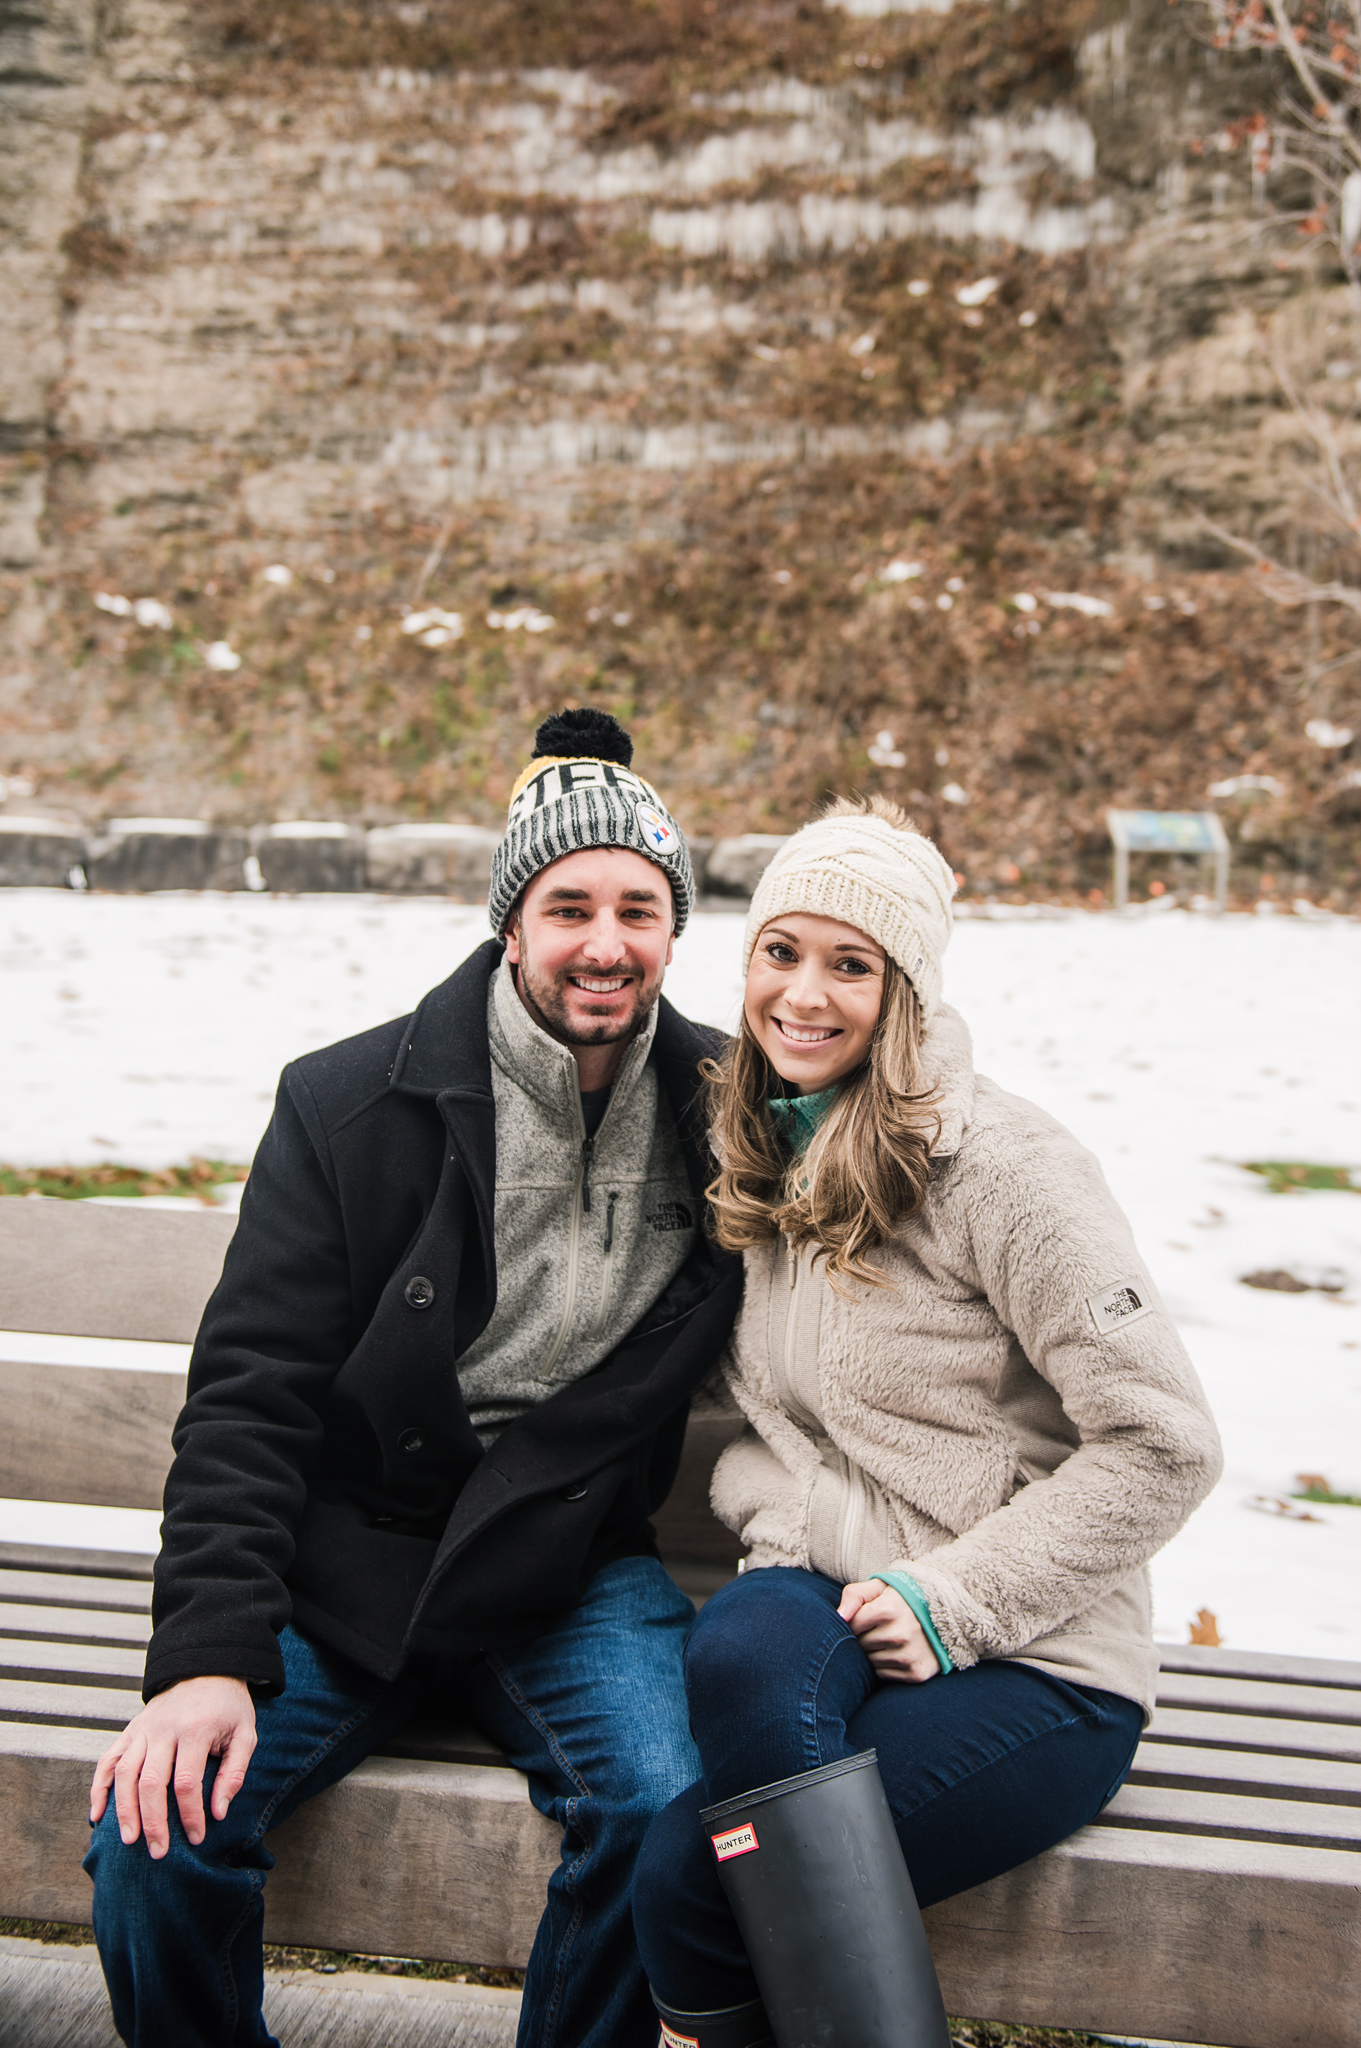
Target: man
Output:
[(437, 1393)]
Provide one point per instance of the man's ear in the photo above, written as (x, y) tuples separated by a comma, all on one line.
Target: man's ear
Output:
[(511, 935)]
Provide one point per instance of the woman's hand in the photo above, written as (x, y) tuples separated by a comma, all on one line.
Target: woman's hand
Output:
[(888, 1632)]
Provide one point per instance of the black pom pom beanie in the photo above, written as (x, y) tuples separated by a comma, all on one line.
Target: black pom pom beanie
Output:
[(577, 793)]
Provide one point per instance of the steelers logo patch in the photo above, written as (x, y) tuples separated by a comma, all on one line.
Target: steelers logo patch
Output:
[(659, 834)]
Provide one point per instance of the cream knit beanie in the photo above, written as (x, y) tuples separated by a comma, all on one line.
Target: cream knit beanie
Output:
[(863, 871)]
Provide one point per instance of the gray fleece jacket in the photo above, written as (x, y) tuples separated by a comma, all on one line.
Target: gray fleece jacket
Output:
[(1013, 1420), (588, 1233)]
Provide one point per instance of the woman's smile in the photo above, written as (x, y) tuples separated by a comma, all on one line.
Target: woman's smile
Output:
[(801, 1034)]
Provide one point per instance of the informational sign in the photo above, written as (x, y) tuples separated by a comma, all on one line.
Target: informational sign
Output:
[(1199, 833), (1167, 831)]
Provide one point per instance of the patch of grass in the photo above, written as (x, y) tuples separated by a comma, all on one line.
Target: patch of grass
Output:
[(325, 1961), (75, 1183), (1325, 1496), (62, 1931), (993, 2034), (1288, 1176)]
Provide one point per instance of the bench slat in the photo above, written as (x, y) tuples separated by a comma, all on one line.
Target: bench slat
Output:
[(72, 1706), (105, 1664), (95, 1270), (74, 1589), (1223, 1813), (1162, 1936), (87, 1433), (1204, 1693), (1227, 1770), (93, 1625), (1171, 1725), (401, 1858), (62, 1560), (1274, 1664)]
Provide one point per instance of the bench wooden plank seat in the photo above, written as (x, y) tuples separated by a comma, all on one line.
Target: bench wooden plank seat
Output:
[(433, 1848), (1217, 1899)]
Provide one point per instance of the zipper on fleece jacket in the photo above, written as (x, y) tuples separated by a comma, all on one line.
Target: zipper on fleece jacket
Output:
[(581, 1206), (606, 1268)]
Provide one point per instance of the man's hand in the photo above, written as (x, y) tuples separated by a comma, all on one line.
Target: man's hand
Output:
[(170, 1742), (888, 1631)]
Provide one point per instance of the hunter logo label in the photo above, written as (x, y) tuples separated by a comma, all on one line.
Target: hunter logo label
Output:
[(737, 1842), (661, 836), (671, 2039), (670, 1216), (1123, 1302)]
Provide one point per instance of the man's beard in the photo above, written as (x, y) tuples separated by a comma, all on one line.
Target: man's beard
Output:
[(547, 1000)]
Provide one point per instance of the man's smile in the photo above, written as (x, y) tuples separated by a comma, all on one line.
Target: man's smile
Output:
[(600, 984)]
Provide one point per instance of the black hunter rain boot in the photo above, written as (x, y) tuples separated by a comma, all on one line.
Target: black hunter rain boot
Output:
[(737, 2026), (815, 1877)]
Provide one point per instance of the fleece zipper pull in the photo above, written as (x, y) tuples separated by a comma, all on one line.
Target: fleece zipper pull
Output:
[(587, 1154), (609, 1221)]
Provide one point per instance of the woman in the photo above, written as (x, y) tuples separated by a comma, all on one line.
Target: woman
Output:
[(970, 1424)]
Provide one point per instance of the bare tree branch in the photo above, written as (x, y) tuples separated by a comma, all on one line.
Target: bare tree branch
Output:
[(1286, 587)]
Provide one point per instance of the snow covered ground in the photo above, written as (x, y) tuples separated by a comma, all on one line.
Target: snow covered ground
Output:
[(144, 1029)]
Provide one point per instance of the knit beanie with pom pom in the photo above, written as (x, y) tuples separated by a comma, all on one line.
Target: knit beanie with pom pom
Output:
[(579, 793), (863, 870)]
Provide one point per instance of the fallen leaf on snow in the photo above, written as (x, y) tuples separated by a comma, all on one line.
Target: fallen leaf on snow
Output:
[(1205, 1629), (1284, 1510)]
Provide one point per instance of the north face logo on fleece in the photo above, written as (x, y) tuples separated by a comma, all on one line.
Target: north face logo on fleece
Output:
[(1114, 1306), (670, 1216)]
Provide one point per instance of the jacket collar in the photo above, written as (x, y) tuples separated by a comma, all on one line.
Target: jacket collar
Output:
[(948, 1072), (445, 1048)]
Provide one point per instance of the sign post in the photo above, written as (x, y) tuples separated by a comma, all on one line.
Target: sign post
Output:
[(1197, 832)]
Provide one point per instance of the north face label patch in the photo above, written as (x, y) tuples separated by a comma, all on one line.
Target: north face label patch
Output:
[(670, 1216), (1114, 1306)]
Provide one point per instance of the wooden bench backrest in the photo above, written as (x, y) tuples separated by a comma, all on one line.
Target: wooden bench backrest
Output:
[(93, 1269), (97, 1431)]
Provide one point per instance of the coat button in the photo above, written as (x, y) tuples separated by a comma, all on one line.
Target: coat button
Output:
[(578, 1490), (410, 1440), (420, 1292)]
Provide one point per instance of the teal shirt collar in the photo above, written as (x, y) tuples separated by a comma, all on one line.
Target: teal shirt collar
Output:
[(796, 1117)]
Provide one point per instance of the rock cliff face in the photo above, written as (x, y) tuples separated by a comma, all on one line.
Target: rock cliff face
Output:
[(769, 356)]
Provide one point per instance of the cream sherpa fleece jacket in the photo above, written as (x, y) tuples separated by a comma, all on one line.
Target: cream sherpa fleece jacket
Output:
[(1013, 1420)]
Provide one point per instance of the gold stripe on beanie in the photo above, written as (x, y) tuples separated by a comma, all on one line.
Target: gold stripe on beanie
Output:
[(540, 761)]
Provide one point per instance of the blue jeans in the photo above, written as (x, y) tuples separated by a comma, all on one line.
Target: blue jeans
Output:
[(983, 1768), (593, 1711)]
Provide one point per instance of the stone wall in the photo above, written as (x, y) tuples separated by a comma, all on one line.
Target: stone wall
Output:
[(698, 373)]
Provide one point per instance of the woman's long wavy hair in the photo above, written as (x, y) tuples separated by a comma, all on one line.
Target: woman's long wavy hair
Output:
[(870, 1159)]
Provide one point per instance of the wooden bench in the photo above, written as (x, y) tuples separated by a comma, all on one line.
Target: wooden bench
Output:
[(1217, 1899)]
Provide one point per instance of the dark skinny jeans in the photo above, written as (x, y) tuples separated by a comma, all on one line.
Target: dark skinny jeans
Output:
[(983, 1768)]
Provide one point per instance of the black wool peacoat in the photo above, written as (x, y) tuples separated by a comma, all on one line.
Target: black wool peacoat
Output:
[(325, 1468)]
